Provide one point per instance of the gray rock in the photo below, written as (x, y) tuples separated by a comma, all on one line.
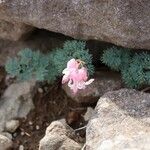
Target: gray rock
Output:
[(121, 122), (12, 125), (59, 136), (89, 113), (16, 102), (21, 147), (5, 143), (125, 23), (104, 82), (8, 135), (13, 30)]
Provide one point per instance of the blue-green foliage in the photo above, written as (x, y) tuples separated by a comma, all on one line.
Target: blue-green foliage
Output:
[(134, 67), (28, 64), (71, 49), (47, 67)]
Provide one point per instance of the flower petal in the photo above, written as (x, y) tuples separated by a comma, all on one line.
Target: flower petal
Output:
[(75, 76), (81, 85), (73, 87), (65, 71), (89, 81), (83, 73), (72, 64), (70, 83), (65, 79)]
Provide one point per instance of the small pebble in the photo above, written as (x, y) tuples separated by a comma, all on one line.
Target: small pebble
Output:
[(47, 124), (40, 90), (37, 127), (22, 133), (30, 123), (14, 134), (53, 102), (21, 147), (81, 123)]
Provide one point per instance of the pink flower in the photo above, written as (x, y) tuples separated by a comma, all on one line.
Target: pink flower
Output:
[(76, 75)]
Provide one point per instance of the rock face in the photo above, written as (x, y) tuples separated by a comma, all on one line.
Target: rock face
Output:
[(103, 82), (5, 143), (16, 102), (125, 23), (89, 113), (13, 30), (121, 122), (59, 136)]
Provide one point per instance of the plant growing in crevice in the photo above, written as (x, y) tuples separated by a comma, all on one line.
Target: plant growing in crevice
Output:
[(47, 67), (134, 67)]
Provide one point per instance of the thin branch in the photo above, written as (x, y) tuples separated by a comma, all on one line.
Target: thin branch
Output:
[(146, 89), (83, 146), (80, 128)]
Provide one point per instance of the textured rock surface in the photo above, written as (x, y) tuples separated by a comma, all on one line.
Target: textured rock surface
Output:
[(89, 113), (16, 102), (121, 122), (13, 30), (125, 23), (5, 143), (104, 82), (59, 136)]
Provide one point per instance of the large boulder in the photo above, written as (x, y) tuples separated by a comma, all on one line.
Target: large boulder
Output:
[(125, 23), (121, 121)]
